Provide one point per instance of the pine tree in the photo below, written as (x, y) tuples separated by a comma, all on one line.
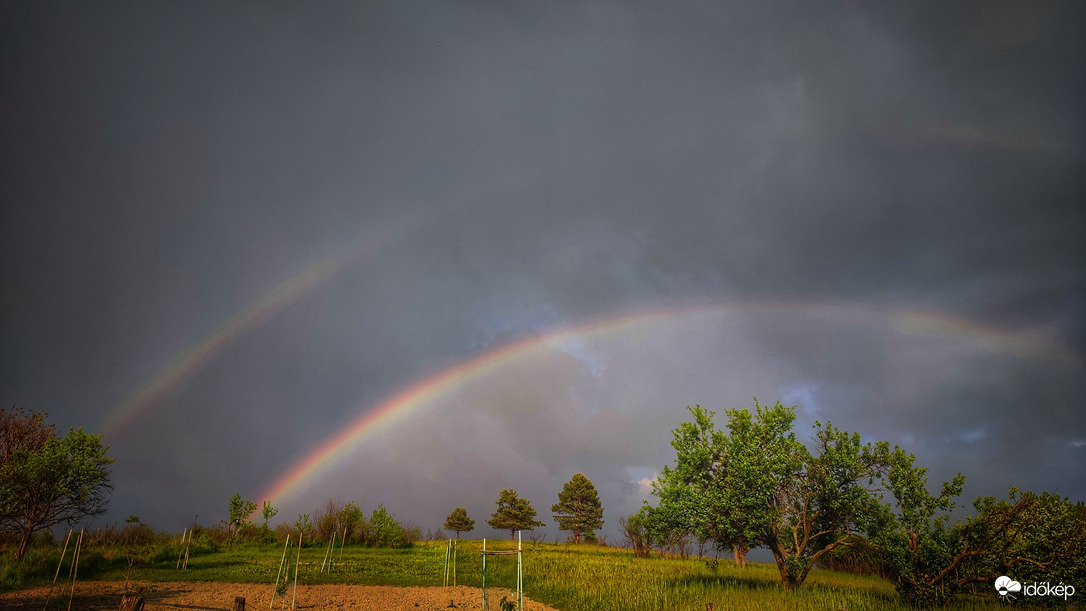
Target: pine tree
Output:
[(578, 508), (513, 514), (458, 521)]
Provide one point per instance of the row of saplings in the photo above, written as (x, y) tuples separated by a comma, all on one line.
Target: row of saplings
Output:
[(348, 522), (578, 511), (854, 506)]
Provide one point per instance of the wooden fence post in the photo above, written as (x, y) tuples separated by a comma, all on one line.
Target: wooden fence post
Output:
[(131, 603)]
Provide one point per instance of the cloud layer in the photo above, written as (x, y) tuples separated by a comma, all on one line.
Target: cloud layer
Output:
[(882, 202)]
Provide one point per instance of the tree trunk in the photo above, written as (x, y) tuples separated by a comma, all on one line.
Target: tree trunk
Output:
[(24, 543), (788, 580), (740, 552)]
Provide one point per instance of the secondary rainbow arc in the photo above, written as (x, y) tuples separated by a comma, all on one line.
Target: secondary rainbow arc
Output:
[(189, 360)]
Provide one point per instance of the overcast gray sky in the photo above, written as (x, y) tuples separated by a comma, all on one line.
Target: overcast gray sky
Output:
[(231, 230)]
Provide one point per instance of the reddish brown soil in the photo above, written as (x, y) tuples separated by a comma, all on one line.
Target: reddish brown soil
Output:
[(213, 596)]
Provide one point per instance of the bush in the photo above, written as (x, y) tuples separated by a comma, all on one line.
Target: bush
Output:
[(385, 531)]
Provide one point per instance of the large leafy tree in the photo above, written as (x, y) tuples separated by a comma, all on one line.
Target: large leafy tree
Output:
[(930, 558), (513, 513), (47, 480), (758, 485), (700, 495), (825, 501), (578, 509), (458, 522)]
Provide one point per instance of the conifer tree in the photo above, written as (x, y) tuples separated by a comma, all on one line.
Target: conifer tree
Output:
[(513, 514), (578, 509), (458, 521)]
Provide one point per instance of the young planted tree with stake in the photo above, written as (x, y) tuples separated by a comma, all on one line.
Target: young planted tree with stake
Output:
[(240, 510), (578, 509)]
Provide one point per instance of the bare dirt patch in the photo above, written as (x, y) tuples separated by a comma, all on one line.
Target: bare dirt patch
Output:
[(214, 596)]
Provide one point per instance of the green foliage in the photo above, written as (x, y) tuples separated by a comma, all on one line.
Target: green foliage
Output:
[(353, 519), (138, 545), (758, 485), (1047, 541), (268, 512), (385, 531), (1035, 537), (578, 509), (513, 513), (862, 557), (303, 527), (636, 532), (327, 523), (240, 510), (458, 521), (46, 480)]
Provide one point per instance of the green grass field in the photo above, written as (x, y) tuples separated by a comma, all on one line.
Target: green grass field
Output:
[(572, 578)]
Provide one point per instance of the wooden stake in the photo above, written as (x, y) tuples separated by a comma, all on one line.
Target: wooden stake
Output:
[(277, 575), (297, 565), (185, 566), (62, 553), (520, 574), (181, 551), (332, 551), (328, 554), (75, 567)]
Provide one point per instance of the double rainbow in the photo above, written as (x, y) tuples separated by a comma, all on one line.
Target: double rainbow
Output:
[(374, 420)]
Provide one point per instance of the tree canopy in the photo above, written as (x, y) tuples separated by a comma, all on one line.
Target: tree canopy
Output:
[(240, 510), (47, 480), (458, 521), (760, 486), (513, 513), (578, 509), (930, 558)]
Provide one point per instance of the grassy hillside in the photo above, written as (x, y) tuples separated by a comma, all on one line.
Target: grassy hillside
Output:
[(582, 577)]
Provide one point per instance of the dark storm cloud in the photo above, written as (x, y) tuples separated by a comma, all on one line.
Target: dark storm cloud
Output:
[(534, 166)]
